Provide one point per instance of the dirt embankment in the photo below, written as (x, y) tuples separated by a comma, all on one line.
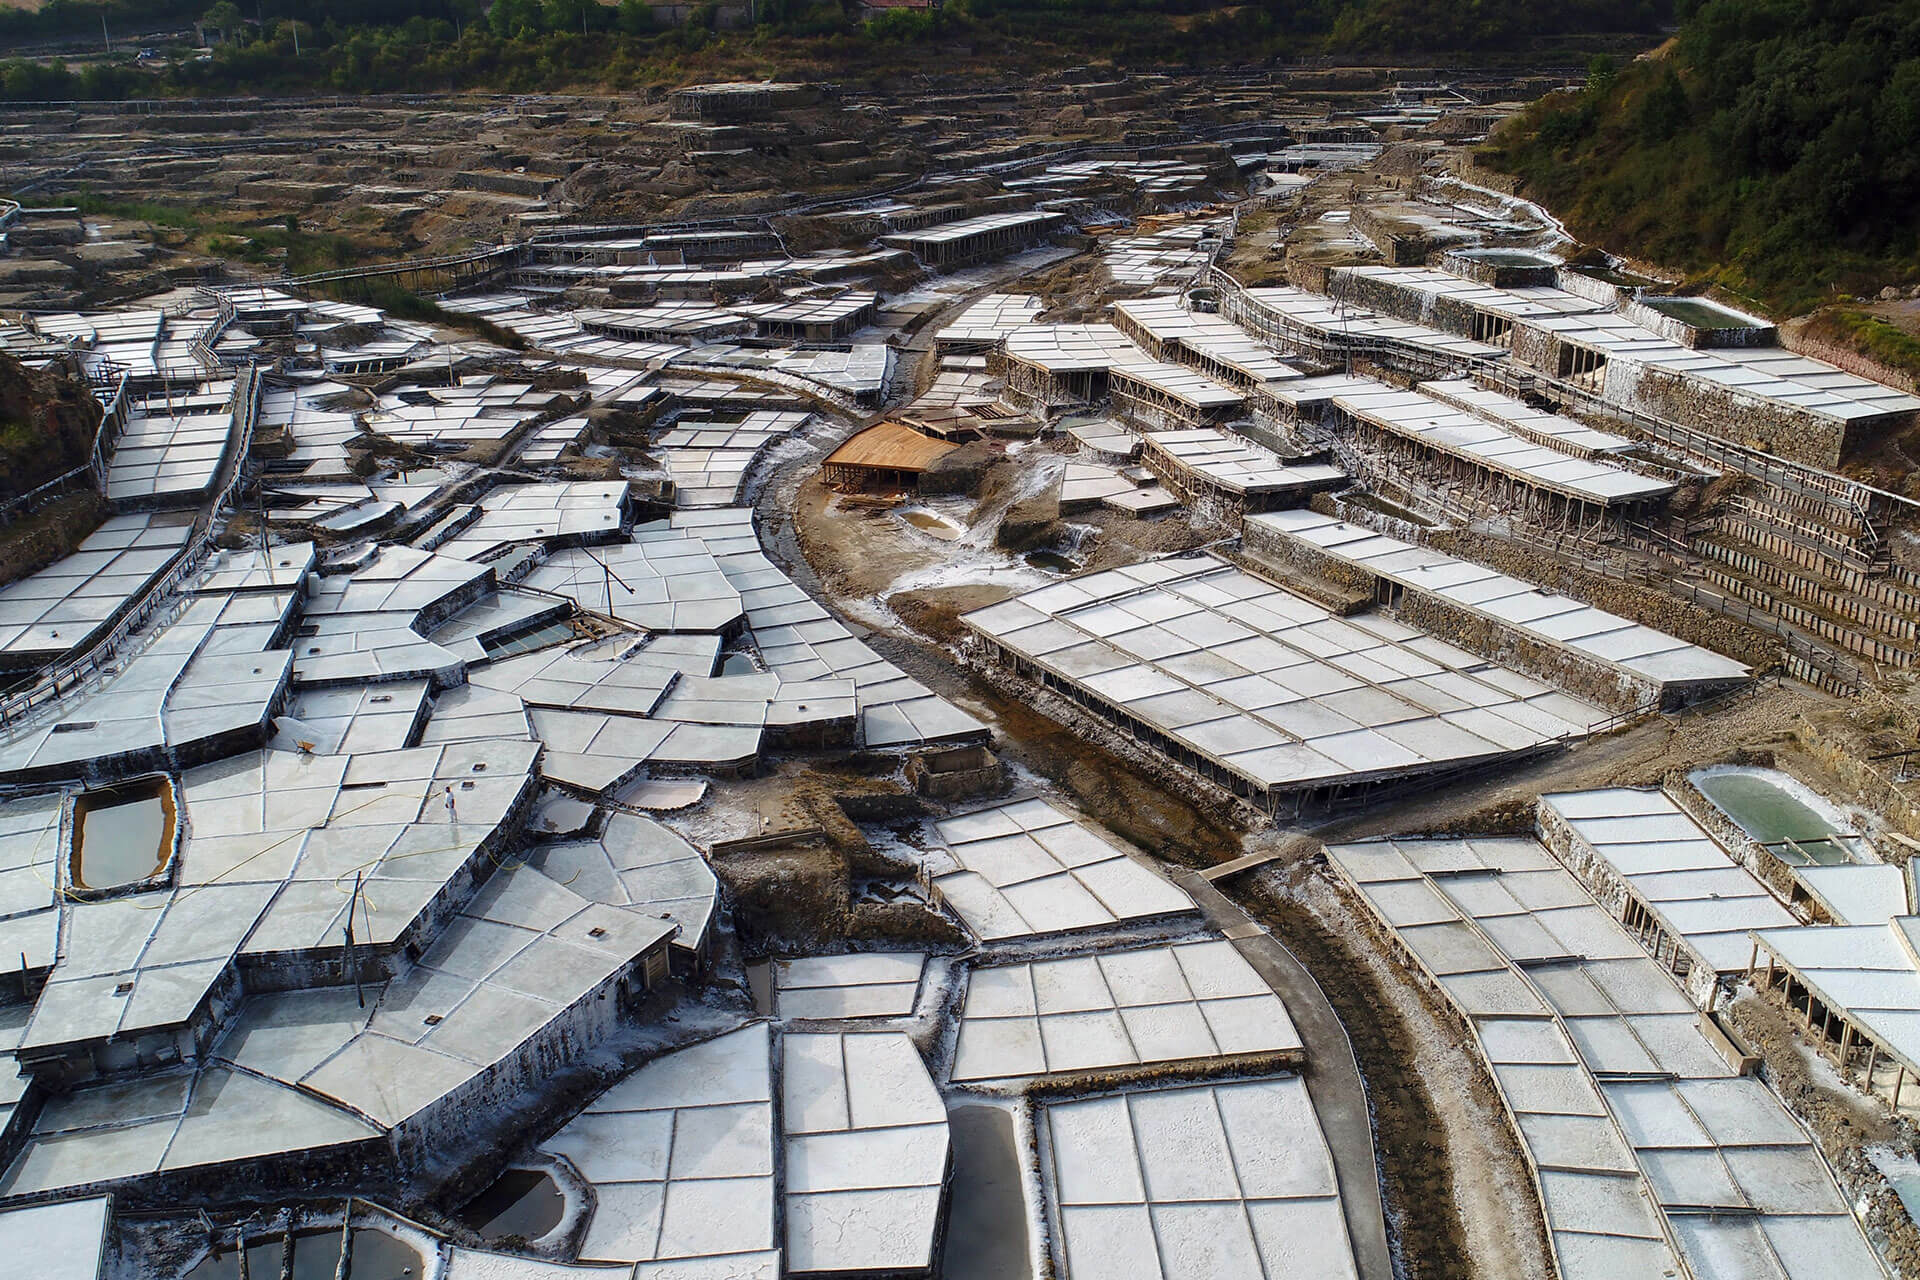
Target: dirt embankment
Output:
[(1844, 1124), (1459, 1195), (47, 425), (31, 543), (1634, 757), (47, 421)]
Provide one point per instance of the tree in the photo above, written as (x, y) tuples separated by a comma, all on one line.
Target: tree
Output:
[(224, 17), (1601, 70), (514, 19), (635, 17), (1664, 111)]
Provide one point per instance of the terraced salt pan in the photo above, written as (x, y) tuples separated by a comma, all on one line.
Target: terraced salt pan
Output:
[(866, 1153), (58, 608), (871, 984), (1025, 869), (1627, 1111), (1272, 691), (1182, 1003), (1183, 1184), (799, 640), (680, 1155)]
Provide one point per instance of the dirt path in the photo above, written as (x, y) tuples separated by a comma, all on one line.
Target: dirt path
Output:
[(1636, 756)]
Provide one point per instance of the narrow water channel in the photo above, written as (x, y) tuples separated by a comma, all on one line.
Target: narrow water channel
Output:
[(987, 1221)]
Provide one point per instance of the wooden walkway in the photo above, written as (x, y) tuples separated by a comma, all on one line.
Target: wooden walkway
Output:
[(1246, 862)]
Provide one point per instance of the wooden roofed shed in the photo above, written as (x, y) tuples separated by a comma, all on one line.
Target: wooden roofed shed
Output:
[(888, 454)]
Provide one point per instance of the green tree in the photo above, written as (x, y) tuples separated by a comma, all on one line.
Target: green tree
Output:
[(1601, 73), (223, 17), (1664, 111), (515, 19), (635, 17)]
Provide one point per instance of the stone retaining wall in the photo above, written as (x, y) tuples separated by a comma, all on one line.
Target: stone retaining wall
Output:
[(1569, 669), (1403, 246), (1863, 784), (1766, 868), (1768, 427), (1592, 288), (1610, 890), (1795, 339)]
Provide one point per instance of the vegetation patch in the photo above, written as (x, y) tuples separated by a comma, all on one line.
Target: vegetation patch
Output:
[(282, 244), (1772, 148), (525, 45), (1879, 341)]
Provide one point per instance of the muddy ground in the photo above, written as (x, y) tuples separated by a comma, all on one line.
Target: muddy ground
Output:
[(865, 552)]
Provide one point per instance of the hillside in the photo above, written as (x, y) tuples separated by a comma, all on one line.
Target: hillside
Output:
[(46, 426), (1771, 147), (525, 45)]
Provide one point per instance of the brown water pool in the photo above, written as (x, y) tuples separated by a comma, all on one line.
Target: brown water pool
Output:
[(122, 835)]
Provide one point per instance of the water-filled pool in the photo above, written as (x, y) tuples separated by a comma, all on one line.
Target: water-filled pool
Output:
[(932, 525), (263, 1259), (1623, 279), (1700, 315), (987, 1232), (521, 1202), (1053, 562), (1508, 257), (374, 1255), (122, 835), (1765, 805)]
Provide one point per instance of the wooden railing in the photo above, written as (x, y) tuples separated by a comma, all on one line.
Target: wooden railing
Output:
[(405, 266), (203, 349)]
